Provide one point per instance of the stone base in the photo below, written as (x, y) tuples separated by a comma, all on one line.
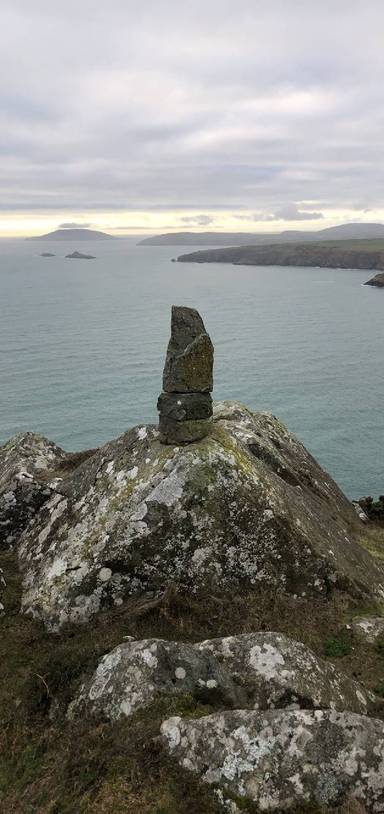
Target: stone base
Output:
[(185, 406), (182, 432)]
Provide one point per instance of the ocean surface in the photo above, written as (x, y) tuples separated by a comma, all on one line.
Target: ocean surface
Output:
[(82, 347)]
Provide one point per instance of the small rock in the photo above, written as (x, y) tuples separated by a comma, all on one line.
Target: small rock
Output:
[(377, 280), (284, 759), (80, 256), (368, 629)]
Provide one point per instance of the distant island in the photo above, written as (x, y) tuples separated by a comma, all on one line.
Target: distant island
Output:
[(346, 231), (47, 254), (377, 280), (80, 256), (346, 254), (73, 234)]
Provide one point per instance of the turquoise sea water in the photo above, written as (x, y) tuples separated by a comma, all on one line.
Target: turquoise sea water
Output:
[(82, 347)]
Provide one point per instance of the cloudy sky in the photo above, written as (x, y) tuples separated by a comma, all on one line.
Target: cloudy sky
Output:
[(213, 114)]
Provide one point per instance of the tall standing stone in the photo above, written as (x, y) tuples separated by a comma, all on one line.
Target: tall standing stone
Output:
[(185, 405)]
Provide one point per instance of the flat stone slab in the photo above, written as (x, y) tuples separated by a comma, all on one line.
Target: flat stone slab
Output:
[(182, 432), (368, 629), (283, 759), (185, 406)]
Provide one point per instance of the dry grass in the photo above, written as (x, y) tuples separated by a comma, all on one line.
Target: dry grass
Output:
[(48, 766)]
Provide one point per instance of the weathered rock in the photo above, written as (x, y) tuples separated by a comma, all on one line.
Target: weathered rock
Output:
[(3, 585), (185, 406), (283, 759), (182, 432), (279, 672), (135, 673), (189, 361), (368, 629), (377, 280), (25, 462), (256, 670), (247, 506)]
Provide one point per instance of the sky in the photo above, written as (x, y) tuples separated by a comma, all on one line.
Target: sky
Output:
[(145, 117)]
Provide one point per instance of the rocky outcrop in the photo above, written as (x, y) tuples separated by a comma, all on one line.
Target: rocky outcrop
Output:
[(25, 463), (250, 671), (373, 509), (80, 256), (246, 506), (135, 674), (326, 255), (278, 672), (283, 759), (377, 280), (185, 405), (368, 628)]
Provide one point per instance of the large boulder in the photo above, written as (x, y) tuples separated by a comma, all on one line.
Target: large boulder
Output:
[(246, 506), (280, 672), (136, 673), (283, 759), (255, 670), (25, 463)]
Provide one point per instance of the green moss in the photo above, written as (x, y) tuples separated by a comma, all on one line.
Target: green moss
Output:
[(338, 646)]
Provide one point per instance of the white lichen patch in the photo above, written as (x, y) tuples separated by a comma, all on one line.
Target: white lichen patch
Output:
[(280, 760)]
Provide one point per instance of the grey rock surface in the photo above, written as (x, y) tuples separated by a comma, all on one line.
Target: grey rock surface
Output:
[(136, 673), (377, 280), (186, 405), (256, 670), (246, 506), (368, 628), (283, 759), (3, 585), (189, 361), (25, 462), (280, 672)]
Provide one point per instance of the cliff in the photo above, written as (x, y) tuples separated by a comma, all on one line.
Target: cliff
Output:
[(339, 254)]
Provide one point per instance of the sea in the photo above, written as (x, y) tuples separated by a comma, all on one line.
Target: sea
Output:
[(82, 346)]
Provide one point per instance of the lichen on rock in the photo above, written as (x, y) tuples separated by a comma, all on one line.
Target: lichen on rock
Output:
[(136, 673), (25, 462), (283, 759), (246, 506), (250, 671)]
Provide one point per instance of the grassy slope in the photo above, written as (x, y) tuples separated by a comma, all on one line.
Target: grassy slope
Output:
[(48, 766)]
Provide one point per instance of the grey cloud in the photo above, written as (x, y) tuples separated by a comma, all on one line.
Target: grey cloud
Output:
[(136, 108), (292, 212), (198, 220), (74, 225)]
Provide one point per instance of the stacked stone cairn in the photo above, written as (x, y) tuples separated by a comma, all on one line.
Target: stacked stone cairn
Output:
[(185, 405)]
